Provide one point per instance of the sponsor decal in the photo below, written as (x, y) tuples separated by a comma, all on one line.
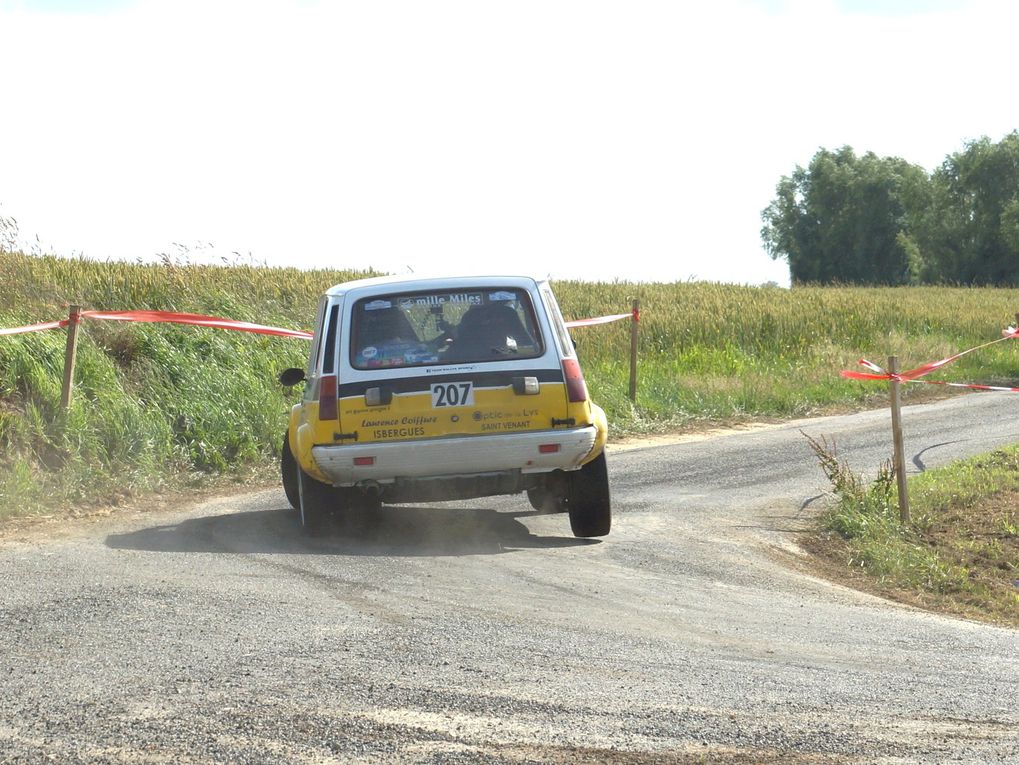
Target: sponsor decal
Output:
[(450, 370), (508, 425), (453, 298), (502, 415), (362, 410), (421, 357), (392, 421), (379, 435)]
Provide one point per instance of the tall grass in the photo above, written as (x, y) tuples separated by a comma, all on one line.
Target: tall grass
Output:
[(724, 352), (162, 404), (155, 405)]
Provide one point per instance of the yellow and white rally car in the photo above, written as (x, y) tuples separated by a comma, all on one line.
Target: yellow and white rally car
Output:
[(422, 390)]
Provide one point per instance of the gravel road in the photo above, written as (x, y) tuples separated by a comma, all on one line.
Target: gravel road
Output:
[(480, 632)]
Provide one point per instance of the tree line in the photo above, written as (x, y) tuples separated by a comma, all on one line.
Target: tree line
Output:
[(881, 220)]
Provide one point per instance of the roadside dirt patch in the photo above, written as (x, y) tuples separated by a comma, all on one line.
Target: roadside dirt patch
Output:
[(71, 523), (695, 434), (982, 540)]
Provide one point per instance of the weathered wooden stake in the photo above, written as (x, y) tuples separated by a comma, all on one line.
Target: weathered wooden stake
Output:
[(74, 318), (634, 322), (899, 458)]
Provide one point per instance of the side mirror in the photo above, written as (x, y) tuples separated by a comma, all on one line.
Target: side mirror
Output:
[(290, 377)]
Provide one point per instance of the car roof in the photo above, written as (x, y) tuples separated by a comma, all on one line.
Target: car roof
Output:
[(436, 281)]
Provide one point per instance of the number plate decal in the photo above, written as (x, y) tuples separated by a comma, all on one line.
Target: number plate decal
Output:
[(452, 394)]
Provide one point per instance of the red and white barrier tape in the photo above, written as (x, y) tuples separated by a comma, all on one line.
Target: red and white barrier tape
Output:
[(165, 316), (34, 327), (635, 315), (971, 386), (914, 375), (197, 320), (241, 326)]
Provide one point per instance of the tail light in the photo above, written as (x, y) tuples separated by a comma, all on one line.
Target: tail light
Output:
[(576, 388), (327, 409)]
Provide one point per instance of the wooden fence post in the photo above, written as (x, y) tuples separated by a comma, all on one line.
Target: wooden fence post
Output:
[(899, 458), (634, 322), (70, 355)]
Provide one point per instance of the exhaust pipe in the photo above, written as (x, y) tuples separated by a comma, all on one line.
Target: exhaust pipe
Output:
[(371, 489)]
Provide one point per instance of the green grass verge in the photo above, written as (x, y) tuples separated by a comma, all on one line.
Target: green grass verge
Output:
[(156, 407), (959, 553)]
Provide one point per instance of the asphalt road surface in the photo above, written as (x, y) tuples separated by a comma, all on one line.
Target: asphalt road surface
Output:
[(480, 632)]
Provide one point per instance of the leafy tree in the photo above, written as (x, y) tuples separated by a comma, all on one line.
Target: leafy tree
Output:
[(847, 219), (970, 232)]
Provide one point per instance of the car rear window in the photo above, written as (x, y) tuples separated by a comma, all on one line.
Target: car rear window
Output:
[(444, 327)]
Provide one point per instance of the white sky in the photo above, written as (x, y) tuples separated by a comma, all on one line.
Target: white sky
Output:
[(602, 140)]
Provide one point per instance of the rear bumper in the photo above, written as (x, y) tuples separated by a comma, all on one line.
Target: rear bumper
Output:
[(451, 457)]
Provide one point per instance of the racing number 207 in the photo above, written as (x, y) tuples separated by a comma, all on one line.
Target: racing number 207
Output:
[(453, 394)]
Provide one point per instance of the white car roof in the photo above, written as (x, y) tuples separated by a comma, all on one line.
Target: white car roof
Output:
[(416, 281)]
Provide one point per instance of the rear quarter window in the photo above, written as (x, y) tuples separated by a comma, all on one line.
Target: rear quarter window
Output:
[(558, 323), (316, 348), (329, 347)]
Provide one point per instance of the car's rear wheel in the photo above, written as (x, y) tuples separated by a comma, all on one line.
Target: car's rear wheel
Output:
[(588, 499), (288, 469), (316, 501)]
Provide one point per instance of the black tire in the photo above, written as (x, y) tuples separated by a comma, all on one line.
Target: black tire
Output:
[(317, 501), (288, 470), (588, 501)]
